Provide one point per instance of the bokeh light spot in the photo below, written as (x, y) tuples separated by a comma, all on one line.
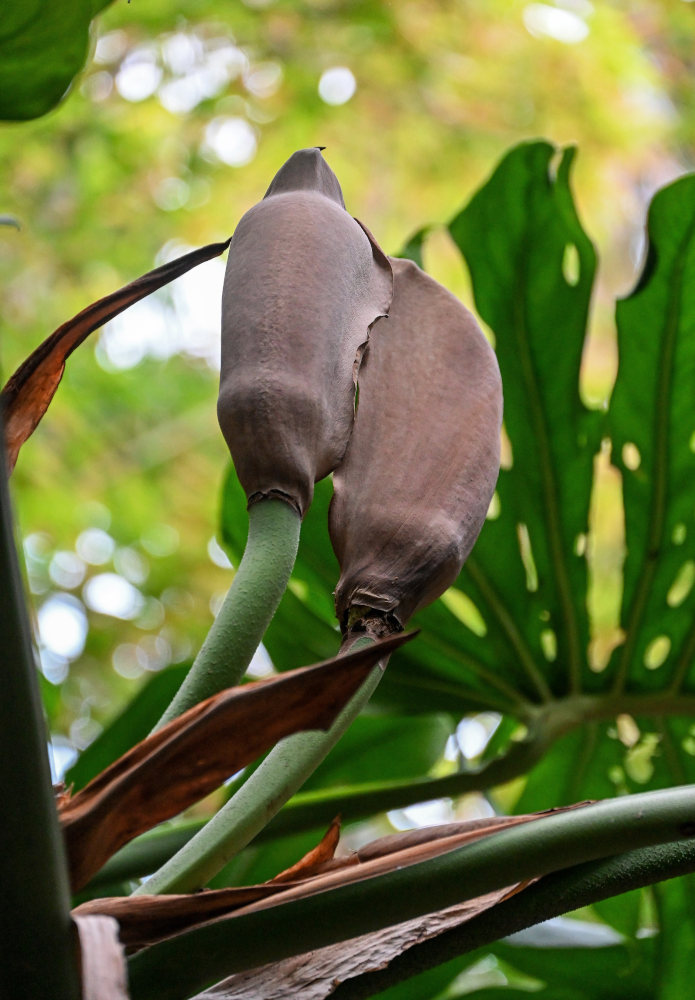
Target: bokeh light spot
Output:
[(337, 85)]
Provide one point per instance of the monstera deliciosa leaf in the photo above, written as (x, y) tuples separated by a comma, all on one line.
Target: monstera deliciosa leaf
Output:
[(43, 46), (512, 635)]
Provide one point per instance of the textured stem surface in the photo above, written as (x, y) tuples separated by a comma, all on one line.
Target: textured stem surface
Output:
[(253, 597), (281, 774), (552, 896)]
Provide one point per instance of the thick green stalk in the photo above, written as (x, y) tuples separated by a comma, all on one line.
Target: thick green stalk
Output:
[(549, 844), (258, 585), (284, 770), (554, 895), (38, 955)]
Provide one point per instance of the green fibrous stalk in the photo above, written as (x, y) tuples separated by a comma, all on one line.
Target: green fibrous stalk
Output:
[(258, 585), (280, 775)]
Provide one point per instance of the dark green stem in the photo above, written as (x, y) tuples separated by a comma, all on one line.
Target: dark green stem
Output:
[(554, 895), (38, 954), (248, 608), (538, 848)]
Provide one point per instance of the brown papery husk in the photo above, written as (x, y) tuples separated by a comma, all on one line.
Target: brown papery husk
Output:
[(412, 492), (304, 284)]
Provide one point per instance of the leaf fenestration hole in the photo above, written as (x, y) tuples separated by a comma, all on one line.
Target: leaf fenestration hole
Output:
[(656, 652), (527, 558), (682, 585), (639, 760), (495, 508), (571, 268), (506, 454), (627, 730), (549, 644), (631, 456), (463, 608), (679, 533), (580, 544), (554, 165), (691, 443)]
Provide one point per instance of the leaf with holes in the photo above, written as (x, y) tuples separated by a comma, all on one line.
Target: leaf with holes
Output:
[(652, 427), (649, 682), (519, 235)]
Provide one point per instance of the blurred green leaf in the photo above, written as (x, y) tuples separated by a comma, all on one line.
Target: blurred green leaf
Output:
[(42, 48), (512, 993), (433, 984), (622, 912), (584, 971), (413, 247), (384, 749), (673, 959)]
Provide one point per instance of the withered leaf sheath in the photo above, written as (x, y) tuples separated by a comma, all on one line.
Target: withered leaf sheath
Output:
[(414, 487), (304, 284)]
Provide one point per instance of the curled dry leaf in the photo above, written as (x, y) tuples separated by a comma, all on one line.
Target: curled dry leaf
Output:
[(144, 920), (316, 859), (28, 393), (414, 487), (194, 754), (305, 282)]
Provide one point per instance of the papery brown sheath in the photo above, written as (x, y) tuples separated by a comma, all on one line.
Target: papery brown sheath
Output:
[(416, 482), (304, 284)]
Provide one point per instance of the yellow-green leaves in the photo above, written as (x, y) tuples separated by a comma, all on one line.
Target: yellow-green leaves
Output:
[(304, 284), (413, 490)]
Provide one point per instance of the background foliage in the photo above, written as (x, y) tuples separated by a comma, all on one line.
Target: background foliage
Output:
[(182, 115)]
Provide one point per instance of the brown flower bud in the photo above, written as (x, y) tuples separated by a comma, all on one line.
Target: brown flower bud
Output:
[(414, 487), (304, 284)]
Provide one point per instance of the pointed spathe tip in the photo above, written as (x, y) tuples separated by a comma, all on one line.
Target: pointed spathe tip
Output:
[(306, 170)]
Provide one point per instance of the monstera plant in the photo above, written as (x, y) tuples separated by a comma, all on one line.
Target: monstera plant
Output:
[(339, 362)]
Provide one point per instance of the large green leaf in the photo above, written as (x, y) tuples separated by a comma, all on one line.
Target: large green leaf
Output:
[(43, 46), (520, 236), (650, 421), (652, 427)]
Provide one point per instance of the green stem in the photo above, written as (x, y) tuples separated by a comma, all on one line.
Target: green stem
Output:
[(248, 608), (549, 844), (38, 954), (284, 770), (554, 895)]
